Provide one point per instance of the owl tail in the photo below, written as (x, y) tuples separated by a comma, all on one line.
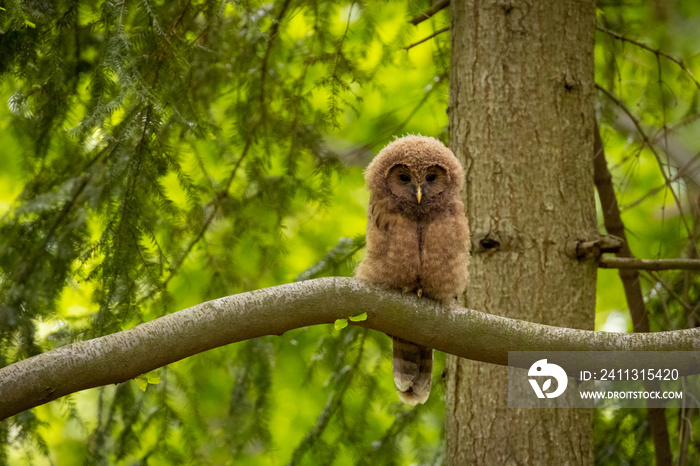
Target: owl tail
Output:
[(413, 371)]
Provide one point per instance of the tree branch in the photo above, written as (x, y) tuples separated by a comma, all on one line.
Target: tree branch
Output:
[(685, 161), (430, 12), (436, 33), (656, 52), (272, 311), (630, 281), (647, 264), (647, 141)]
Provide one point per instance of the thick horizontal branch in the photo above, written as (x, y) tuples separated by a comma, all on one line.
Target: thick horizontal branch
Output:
[(648, 264), (272, 311)]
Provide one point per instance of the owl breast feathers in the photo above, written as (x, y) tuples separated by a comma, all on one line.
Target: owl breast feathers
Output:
[(417, 239)]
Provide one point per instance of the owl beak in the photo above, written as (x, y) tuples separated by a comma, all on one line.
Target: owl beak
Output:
[(419, 194)]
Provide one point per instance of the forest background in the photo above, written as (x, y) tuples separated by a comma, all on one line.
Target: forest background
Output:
[(156, 155)]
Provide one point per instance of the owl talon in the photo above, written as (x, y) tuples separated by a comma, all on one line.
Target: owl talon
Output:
[(420, 292)]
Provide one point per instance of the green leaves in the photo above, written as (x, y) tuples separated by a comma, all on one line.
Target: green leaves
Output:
[(340, 324), (359, 317), (172, 152), (144, 380)]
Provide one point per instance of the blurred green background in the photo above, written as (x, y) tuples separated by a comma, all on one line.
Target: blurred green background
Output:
[(155, 155)]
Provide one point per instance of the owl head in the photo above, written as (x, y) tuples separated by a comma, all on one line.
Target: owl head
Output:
[(415, 172)]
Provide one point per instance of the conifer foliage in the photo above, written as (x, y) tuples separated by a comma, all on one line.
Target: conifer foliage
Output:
[(150, 135), (122, 107)]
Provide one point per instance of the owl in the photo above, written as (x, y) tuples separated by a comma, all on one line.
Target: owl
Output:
[(417, 240)]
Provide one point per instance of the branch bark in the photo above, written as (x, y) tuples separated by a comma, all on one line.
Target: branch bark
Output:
[(648, 264), (429, 13), (272, 311), (425, 39)]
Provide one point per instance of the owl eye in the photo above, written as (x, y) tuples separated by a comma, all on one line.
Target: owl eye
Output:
[(430, 178), (404, 178)]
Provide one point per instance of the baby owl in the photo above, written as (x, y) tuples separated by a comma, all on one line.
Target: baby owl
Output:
[(417, 240)]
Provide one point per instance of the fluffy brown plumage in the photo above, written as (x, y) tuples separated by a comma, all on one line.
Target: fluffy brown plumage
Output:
[(417, 240)]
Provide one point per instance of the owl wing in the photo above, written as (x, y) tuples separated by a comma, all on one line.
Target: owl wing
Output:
[(445, 250), (391, 257)]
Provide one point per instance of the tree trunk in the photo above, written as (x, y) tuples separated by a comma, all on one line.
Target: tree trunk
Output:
[(521, 120)]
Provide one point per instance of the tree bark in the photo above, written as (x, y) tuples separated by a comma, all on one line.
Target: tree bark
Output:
[(521, 120), (632, 263)]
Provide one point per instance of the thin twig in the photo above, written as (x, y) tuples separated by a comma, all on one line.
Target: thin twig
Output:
[(685, 420), (648, 264), (381, 137), (439, 31), (669, 289), (430, 12), (682, 172), (223, 193), (216, 205), (658, 53), (652, 148), (176, 23), (271, 40)]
